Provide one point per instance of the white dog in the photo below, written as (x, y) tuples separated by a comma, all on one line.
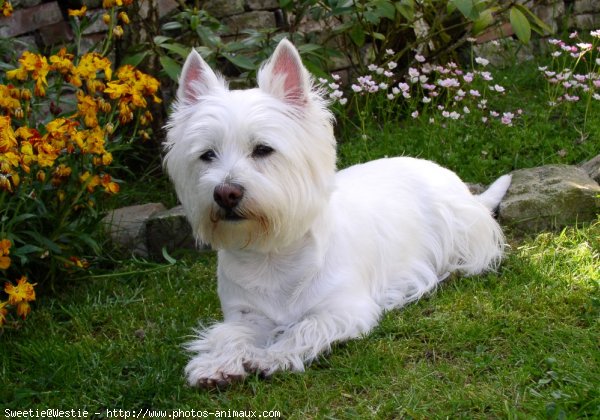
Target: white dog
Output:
[(307, 256)]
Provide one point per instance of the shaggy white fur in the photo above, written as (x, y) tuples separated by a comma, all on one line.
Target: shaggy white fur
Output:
[(307, 255)]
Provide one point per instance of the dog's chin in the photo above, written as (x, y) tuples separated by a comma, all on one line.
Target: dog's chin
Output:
[(230, 229)]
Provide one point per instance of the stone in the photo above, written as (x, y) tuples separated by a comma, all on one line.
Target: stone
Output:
[(262, 4), (585, 21), (549, 197), (223, 8), (250, 20), (171, 230), (28, 20), (126, 227), (586, 6), (592, 167)]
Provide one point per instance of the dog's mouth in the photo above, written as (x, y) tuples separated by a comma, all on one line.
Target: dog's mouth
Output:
[(230, 216)]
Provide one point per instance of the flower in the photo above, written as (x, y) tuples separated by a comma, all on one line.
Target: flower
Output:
[(5, 245), (3, 312), (480, 60), (6, 9), (23, 291), (77, 12)]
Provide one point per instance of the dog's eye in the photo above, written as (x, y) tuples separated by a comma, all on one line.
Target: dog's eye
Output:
[(261, 151), (208, 156)]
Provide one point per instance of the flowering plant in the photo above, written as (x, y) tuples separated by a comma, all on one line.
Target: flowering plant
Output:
[(574, 72), (428, 93), (62, 119)]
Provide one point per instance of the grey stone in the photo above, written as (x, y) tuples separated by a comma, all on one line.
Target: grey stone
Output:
[(592, 167), (586, 6), (127, 227), (250, 20), (585, 21), (28, 20), (169, 229), (262, 4), (549, 197), (223, 8)]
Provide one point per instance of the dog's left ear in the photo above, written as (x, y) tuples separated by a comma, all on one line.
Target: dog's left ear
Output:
[(284, 76)]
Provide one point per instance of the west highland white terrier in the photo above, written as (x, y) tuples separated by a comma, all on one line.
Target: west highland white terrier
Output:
[(308, 256)]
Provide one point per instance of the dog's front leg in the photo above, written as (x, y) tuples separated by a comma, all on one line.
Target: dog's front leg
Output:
[(302, 342), (222, 350)]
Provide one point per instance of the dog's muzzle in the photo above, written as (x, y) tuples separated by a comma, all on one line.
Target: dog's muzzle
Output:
[(228, 196)]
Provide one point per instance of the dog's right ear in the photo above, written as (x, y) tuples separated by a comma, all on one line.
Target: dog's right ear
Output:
[(196, 80)]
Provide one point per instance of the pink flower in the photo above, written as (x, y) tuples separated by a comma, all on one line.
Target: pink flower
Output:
[(420, 58), (415, 114)]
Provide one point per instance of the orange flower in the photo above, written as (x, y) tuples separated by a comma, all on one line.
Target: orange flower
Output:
[(6, 8), (22, 292), (77, 12), (23, 309), (5, 245), (3, 312)]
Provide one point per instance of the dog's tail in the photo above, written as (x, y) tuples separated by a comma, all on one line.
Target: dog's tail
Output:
[(492, 197)]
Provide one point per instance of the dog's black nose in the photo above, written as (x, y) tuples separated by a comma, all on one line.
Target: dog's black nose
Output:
[(228, 195)]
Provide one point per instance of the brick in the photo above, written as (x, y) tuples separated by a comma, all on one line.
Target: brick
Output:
[(28, 20), (55, 33)]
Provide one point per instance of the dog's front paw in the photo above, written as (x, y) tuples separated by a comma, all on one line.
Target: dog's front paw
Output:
[(269, 363), (206, 372)]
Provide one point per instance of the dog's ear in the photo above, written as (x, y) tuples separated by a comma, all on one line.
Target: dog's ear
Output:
[(196, 79), (284, 76)]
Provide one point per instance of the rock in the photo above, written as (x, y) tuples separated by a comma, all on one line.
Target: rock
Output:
[(127, 227), (169, 229), (549, 197), (592, 167)]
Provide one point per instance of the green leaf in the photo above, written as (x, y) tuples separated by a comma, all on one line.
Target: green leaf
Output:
[(180, 50), (536, 23), (357, 35), (171, 26), (136, 59), (170, 66), (520, 25), (384, 8), (486, 19), (240, 61), (407, 9), (167, 257), (467, 8)]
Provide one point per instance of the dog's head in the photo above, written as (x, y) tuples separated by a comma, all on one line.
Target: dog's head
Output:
[(253, 168)]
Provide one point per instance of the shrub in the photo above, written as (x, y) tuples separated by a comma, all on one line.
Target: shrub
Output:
[(63, 118)]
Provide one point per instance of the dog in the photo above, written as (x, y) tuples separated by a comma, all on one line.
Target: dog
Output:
[(307, 255)]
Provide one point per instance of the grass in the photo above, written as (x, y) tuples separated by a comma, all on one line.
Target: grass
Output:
[(519, 343)]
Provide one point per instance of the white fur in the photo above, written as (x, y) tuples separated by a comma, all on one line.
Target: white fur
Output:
[(320, 254)]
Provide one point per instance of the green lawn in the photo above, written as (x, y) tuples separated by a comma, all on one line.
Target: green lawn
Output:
[(519, 343)]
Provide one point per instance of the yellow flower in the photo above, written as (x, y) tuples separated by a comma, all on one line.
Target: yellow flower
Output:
[(77, 12), (35, 64), (8, 139), (109, 186), (5, 245), (23, 291), (7, 9), (62, 62), (3, 312), (8, 99), (87, 108), (106, 18), (118, 31), (123, 17), (23, 309)]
